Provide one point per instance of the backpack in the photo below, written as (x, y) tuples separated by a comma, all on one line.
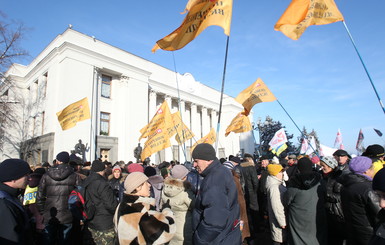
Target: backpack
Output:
[(82, 208)]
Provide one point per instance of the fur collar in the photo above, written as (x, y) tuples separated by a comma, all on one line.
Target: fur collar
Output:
[(247, 164)]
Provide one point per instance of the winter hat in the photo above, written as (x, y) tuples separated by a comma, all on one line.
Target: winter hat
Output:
[(374, 151), (149, 171), (235, 159), (292, 156), (341, 153), (359, 165), (379, 181), (133, 181), (204, 151), (305, 165), (117, 167), (97, 166), (13, 169), (135, 167), (264, 157), (274, 169), (330, 161), (179, 172), (315, 159), (63, 157)]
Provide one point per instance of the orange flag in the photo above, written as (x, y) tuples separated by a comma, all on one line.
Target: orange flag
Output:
[(303, 13), (183, 133), (210, 138), (74, 113), (240, 123), (201, 14), (161, 120), (256, 93), (157, 141)]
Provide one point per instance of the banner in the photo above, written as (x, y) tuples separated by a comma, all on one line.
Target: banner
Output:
[(312, 146), (278, 142), (201, 14), (256, 93), (74, 113), (338, 142), (210, 138), (157, 141), (360, 141), (304, 146), (182, 132), (379, 133), (303, 13), (240, 123), (326, 150), (162, 119)]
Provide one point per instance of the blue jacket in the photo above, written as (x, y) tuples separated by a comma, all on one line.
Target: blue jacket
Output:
[(216, 214)]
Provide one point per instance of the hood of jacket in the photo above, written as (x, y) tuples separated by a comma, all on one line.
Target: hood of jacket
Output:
[(60, 172), (304, 181), (247, 164), (173, 187), (156, 182)]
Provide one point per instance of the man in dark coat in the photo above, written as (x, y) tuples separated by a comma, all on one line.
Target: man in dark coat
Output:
[(101, 195), (359, 202), (14, 220), (304, 200), (52, 200), (343, 159), (378, 185), (216, 216)]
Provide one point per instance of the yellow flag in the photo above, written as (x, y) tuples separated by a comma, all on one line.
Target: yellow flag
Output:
[(210, 138), (74, 113), (156, 141), (256, 93), (303, 13), (182, 132), (240, 123), (201, 14), (162, 119)]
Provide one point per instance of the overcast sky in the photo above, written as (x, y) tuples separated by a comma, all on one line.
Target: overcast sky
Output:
[(318, 79)]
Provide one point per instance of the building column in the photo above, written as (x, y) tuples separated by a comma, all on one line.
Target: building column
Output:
[(152, 105), (168, 151), (183, 114), (205, 122)]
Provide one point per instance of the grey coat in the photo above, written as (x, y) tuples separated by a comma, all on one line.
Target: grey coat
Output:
[(277, 217), (306, 213)]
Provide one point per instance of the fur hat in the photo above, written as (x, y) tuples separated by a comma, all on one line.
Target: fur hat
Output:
[(13, 169), (379, 181), (274, 169), (149, 171), (133, 181), (330, 162), (204, 151), (179, 172), (359, 165), (97, 166), (374, 151), (63, 157), (135, 167), (305, 165)]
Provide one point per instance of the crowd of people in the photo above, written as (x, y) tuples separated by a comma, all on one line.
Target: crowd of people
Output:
[(296, 199)]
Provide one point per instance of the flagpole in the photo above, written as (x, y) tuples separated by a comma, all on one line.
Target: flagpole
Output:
[(222, 89), (363, 64), (303, 136), (180, 111)]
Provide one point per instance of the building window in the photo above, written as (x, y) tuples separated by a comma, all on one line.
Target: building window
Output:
[(104, 123), (45, 81), (42, 122), (106, 86)]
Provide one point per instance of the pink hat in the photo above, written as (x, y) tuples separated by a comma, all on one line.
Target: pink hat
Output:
[(315, 159), (135, 167)]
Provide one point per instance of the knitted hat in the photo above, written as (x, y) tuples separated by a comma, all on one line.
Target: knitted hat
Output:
[(379, 181), (204, 151), (135, 167), (292, 156), (97, 166), (179, 172), (117, 167), (133, 181), (63, 157), (13, 169), (305, 165), (359, 165), (149, 171), (330, 162), (315, 159), (374, 151), (274, 169)]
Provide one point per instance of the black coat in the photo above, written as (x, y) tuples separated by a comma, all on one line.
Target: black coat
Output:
[(360, 206), (102, 196), (250, 176), (14, 221), (54, 189), (378, 237)]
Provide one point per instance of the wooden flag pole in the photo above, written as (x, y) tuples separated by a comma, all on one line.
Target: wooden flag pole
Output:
[(363, 64), (222, 89)]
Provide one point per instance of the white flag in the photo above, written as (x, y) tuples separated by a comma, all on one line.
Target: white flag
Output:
[(304, 146)]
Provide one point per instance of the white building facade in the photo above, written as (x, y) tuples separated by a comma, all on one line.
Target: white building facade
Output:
[(124, 92)]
